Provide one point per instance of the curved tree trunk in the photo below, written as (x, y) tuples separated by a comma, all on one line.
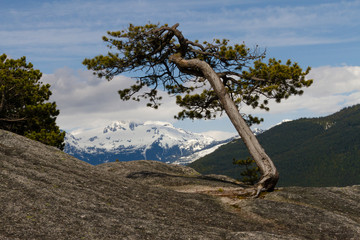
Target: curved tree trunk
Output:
[(270, 175)]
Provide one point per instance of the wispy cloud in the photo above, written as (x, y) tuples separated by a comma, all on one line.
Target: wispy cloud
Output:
[(333, 89), (289, 25), (71, 22)]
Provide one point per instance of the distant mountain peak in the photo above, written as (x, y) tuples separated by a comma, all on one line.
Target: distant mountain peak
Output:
[(134, 140), (258, 131), (120, 125)]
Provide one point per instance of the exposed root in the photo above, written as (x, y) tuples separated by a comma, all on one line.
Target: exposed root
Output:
[(228, 192)]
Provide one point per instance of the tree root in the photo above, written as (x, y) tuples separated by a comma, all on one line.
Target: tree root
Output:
[(266, 184), (237, 192)]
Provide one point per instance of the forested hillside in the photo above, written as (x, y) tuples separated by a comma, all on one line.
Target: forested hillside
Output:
[(307, 152)]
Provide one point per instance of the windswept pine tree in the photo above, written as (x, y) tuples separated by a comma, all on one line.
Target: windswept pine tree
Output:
[(226, 76)]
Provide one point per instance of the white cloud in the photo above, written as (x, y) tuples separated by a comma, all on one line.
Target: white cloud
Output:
[(282, 25), (333, 89), (86, 101), (335, 80)]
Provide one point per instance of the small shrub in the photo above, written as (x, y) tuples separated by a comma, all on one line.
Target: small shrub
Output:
[(251, 174)]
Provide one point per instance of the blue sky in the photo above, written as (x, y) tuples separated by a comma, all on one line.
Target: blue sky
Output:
[(57, 35)]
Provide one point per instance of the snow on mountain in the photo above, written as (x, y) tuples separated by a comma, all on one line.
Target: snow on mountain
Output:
[(202, 153), (258, 131), (151, 140), (128, 141), (283, 121), (220, 135), (197, 155)]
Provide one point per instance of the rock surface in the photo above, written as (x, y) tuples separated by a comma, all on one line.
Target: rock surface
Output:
[(47, 194)]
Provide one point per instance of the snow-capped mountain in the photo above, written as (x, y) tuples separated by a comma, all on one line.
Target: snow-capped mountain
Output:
[(258, 131), (183, 160), (128, 141), (202, 153)]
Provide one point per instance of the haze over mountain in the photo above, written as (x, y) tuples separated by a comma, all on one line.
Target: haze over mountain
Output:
[(321, 151)]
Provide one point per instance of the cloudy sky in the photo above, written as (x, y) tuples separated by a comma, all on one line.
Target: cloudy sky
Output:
[(57, 35)]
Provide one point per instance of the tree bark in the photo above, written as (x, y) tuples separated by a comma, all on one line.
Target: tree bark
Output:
[(270, 175)]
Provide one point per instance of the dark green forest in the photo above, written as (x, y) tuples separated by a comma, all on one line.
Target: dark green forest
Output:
[(321, 151)]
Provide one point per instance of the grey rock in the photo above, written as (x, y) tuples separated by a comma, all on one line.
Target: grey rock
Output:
[(47, 194)]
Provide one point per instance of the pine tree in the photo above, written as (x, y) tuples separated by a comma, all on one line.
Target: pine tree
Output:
[(208, 78), (24, 106), (251, 174)]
